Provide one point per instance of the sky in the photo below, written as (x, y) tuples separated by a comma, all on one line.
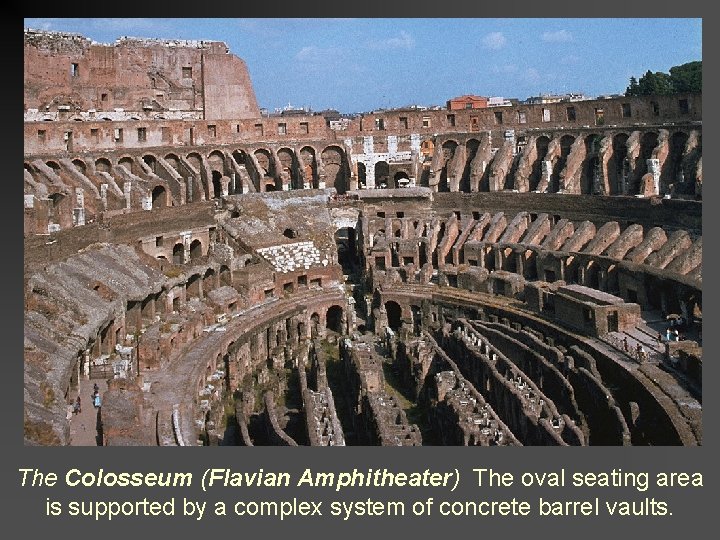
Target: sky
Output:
[(359, 65)]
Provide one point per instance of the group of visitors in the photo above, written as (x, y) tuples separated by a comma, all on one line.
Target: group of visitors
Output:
[(96, 401)]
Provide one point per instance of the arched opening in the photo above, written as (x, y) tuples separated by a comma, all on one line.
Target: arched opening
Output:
[(314, 325), (362, 175), (590, 175), (382, 174), (151, 162), (401, 179), (58, 201), (672, 174), (618, 165), (217, 184), (448, 150), (648, 142), (347, 251), (308, 166), (195, 250), (334, 319), (336, 169), (394, 315), (566, 143), (209, 280), (103, 165), (178, 253), (129, 164), (225, 276), (471, 148), (192, 287), (541, 147), (80, 165), (592, 276), (159, 197), (288, 168)]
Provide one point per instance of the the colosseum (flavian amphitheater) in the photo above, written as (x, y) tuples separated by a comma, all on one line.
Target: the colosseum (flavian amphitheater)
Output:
[(514, 275)]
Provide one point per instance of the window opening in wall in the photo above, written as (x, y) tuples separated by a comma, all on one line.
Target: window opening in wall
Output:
[(302, 281), (570, 114), (683, 106), (74, 70), (142, 134), (400, 214), (599, 117), (546, 115), (474, 124), (380, 124), (426, 122), (404, 122), (165, 134), (118, 134), (626, 111), (158, 241), (282, 128), (103, 97), (288, 287), (258, 129), (304, 128), (212, 130), (498, 117), (451, 120), (522, 117), (269, 293), (317, 282), (95, 135), (237, 128), (41, 135), (381, 214), (655, 108), (186, 73)]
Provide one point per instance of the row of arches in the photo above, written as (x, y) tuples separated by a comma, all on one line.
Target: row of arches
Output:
[(612, 167)]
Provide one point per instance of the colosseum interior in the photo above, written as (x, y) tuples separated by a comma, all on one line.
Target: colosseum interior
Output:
[(497, 276)]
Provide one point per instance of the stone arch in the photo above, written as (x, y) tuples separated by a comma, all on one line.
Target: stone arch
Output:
[(159, 197), (471, 148), (308, 163), (334, 319), (618, 165), (427, 148), (672, 167), (288, 168), (394, 315), (337, 173), (178, 253), (80, 165), (361, 174), (401, 179), (566, 142), (314, 325), (54, 165), (449, 147), (225, 276), (129, 163), (151, 161), (541, 146), (192, 286), (209, 280), (217, 189), (196, 250), (382, 174), (103, 165), (592, 275), (216, 161)]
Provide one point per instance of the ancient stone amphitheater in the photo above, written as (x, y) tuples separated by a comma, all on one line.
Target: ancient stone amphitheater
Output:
[(501, 276)]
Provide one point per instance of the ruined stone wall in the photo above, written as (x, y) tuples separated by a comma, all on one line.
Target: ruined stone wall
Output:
[(71, 73)]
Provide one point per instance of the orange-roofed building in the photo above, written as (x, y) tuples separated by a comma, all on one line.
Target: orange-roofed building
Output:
[(467, 102)]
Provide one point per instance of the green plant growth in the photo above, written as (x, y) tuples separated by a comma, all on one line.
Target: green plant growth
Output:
[(683, 78)]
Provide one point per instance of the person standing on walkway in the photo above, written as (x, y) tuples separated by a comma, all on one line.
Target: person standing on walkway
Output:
[(77, 409)]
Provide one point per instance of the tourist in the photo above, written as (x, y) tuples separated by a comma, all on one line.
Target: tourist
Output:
[(77, 409), (96, 400), (625, 344)]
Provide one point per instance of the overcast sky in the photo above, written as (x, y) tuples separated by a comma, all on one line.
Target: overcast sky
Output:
[(356, 65)]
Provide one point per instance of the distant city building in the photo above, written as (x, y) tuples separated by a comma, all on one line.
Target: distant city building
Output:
[(499, 102), (467, 102), (555, 98)]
